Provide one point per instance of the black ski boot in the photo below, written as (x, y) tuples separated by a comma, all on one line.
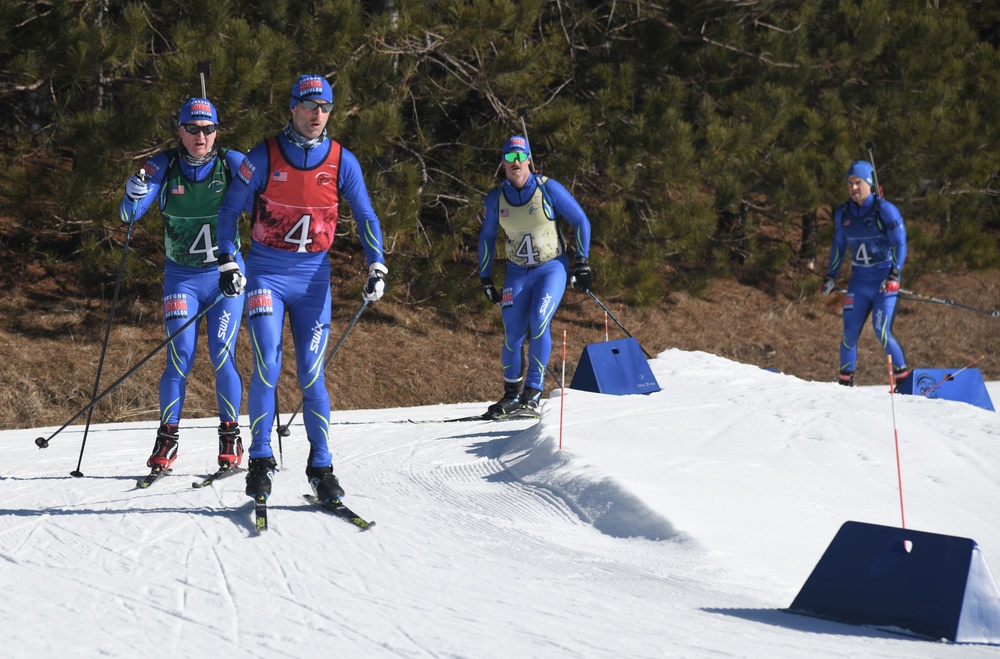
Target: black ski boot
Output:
[(165, 448), (847, 378), (260, 473), (528, 403), (324, 484), (230, 445), (899, 375), (510, 401)]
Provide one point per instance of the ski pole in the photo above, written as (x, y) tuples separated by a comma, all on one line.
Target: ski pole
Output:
[(76, 473), (522, 113), (282, 430), (871, 157), (612, 317), (917, 297), (895, 432), (552, 375), (204, 68), (43, 442), (343, 337), (951, 376)]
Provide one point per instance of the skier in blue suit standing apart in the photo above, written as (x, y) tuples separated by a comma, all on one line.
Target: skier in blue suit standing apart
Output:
[(296, 181), (869, 230), (188, 182), (527, 205)]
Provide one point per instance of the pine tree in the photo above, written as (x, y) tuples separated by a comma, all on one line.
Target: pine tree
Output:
[(702, 137)]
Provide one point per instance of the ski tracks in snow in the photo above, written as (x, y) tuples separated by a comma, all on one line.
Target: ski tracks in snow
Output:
[(454, 481), (463, 548)]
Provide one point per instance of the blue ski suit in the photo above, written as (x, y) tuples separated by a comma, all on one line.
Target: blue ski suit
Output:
[(295, 191), (537, 266), (872, 235), (189, 197)]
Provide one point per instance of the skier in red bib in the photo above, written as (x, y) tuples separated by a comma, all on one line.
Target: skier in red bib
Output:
[(295, 181)]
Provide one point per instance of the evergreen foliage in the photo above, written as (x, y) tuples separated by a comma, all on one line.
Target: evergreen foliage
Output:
[(703, 137)]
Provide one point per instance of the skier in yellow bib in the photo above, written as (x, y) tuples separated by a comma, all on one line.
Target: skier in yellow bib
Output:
[(526, 206)]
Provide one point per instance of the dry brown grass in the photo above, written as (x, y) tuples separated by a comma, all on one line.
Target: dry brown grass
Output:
[(401, 355)]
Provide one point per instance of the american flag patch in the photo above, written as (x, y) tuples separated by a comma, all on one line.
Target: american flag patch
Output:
[(177, 188), (504, 212), (279, 176)]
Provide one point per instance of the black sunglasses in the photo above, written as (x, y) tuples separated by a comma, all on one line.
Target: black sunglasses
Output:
[(195, 129), (312, 105)]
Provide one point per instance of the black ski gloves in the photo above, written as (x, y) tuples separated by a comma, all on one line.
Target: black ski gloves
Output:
[(231, 280), (583, 276), (490, 290)]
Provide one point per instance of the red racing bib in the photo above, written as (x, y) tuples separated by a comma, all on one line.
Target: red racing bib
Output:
[(297, 211)]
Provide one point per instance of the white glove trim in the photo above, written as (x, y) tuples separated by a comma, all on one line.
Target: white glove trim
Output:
[(376, 282)]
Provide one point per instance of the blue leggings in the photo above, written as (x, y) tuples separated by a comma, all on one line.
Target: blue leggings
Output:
[(277, 284), (530, 299), (863, 298), (186, 291)]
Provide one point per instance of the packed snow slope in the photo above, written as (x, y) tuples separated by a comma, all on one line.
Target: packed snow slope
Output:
[(674, 524)]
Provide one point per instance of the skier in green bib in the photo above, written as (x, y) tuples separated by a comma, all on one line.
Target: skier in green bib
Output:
[(188, 182)]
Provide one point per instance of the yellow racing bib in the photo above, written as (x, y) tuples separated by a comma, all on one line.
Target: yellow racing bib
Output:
[(531, 235)]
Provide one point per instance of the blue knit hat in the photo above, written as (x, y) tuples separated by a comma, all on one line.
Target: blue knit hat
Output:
[(862, 170), (516, 143), (198, 109), (311, 87)]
